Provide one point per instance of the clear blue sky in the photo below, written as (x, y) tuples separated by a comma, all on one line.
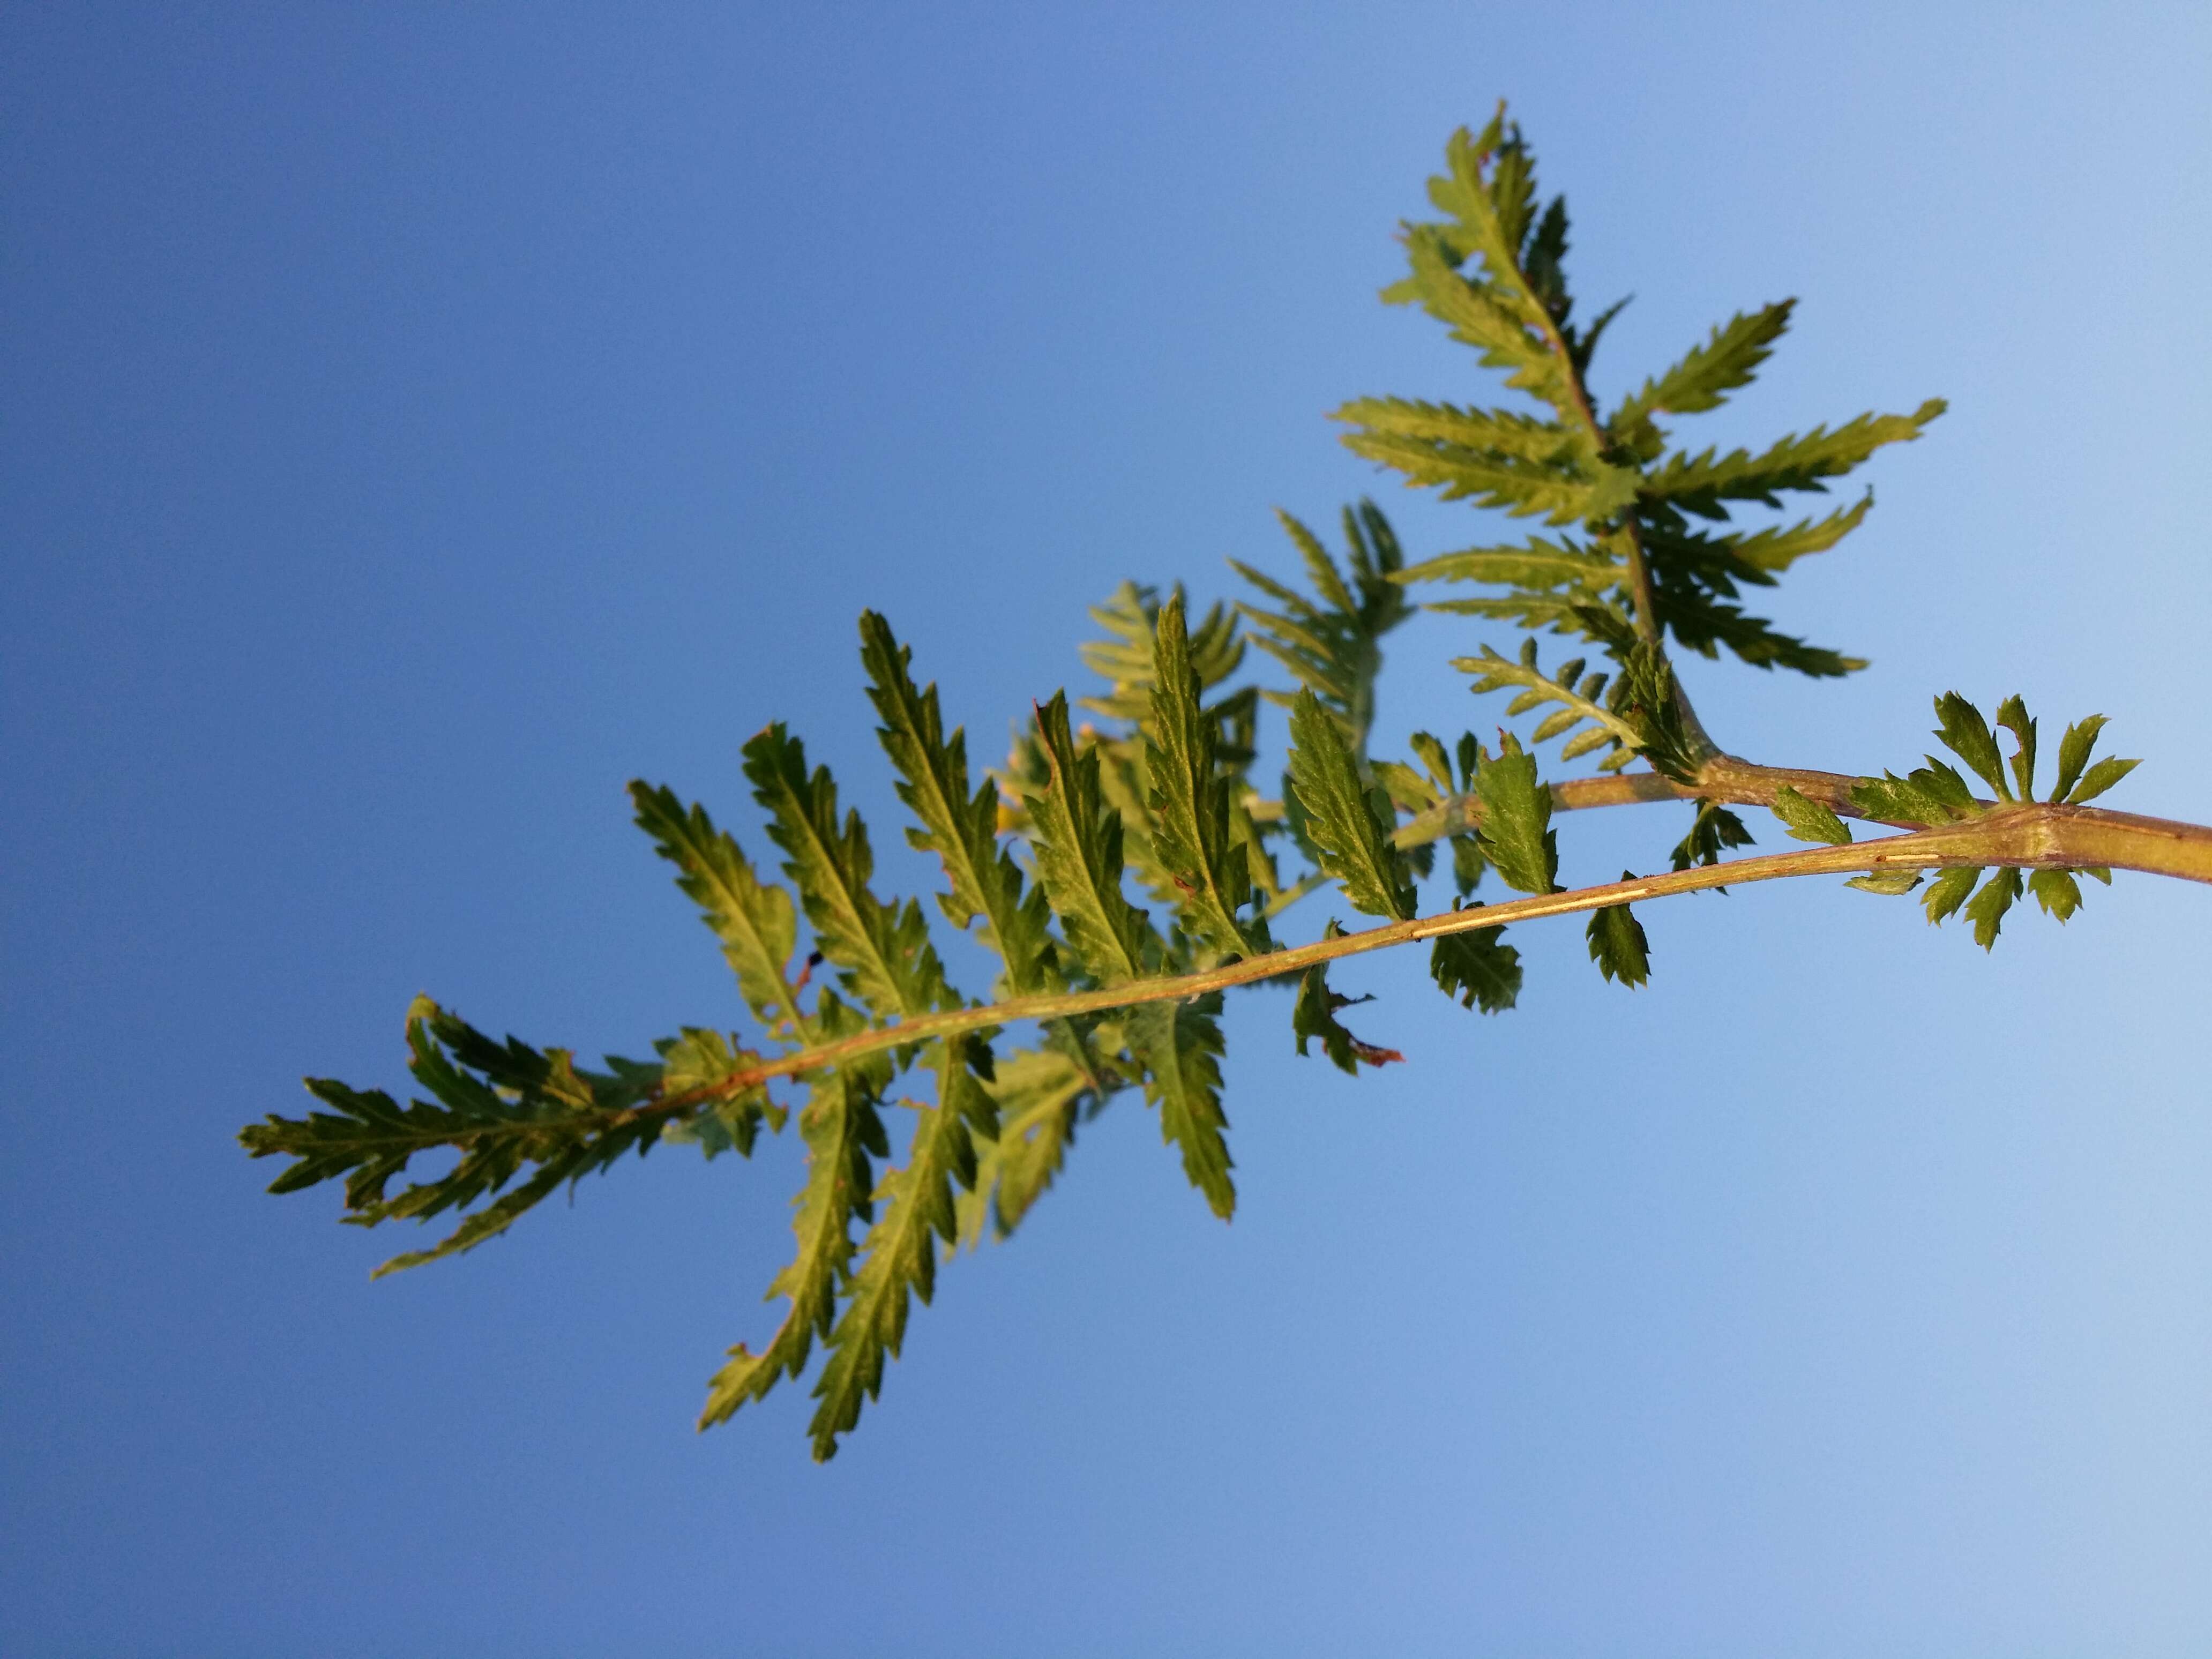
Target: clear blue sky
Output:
[(419, 421)]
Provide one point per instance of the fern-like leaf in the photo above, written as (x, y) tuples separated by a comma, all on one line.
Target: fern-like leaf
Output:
[(899, 1256), (960, 828), (1180, 1043), (1349, 826), (1190, 801), (1077, 843), (754, 919), (882, 951)]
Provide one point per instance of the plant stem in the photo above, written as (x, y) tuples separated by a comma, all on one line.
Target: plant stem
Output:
[(2030, 835), (1724, 778)]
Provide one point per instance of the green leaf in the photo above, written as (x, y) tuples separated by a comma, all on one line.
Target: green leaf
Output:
[(2012, 714), (1889, 883), (1468, 866), (1314, 1015), (1578, 696), (1729, 359), (1477, 968), (1038, 1094), (1960, 727), (882, 951), (500, 1105), (1947, 892), (2099, 778), (840, 1127), (1078, 844), (1349, 831), (899, 1256), (1807, 820), (1534, 564), (1179, 1044), (2056, 891), (1500, 320), (1331, 643), (1933, 794), (1644, 697), (1494, 458), (1516, 831), (1701, 483), (1702, 623), (2074, 750), (1713, 829), (960, 828), (1125, 657), (754, 920), (1777, 548), (1190, 801), (1434, 760), (1617, 943), (1986, 909)]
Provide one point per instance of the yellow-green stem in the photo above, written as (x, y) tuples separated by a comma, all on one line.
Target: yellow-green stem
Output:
[(2033, 835)]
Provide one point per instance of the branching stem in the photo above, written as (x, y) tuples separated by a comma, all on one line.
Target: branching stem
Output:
[(1723, 778)]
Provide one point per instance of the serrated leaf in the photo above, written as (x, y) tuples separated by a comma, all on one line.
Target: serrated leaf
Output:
[(1179, 1044), (1350, 836), (882, 950), (1947, 892), (1331, 643), (1777, 548), (1037, 1094), (1986, 909), (1712, 831), (1617, 943), (1701, 483), (1644, 697), (1477, 968), (1807, 820), (1515, 832), (960, 828), (2056, 891), (2099, 778), (1124, 657), (754, 919), (1933, 794), (1536, 563), (1191, 837), (899, 1255), (502, 1106), (1728, 360), (1077, 843), (2073, 750), (1962, 731), (841, 1127)]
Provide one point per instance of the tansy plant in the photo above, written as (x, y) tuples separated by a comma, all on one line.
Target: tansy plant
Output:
[(1130, 871)]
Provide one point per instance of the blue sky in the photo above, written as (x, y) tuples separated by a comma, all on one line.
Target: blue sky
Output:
[(421, 421)]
